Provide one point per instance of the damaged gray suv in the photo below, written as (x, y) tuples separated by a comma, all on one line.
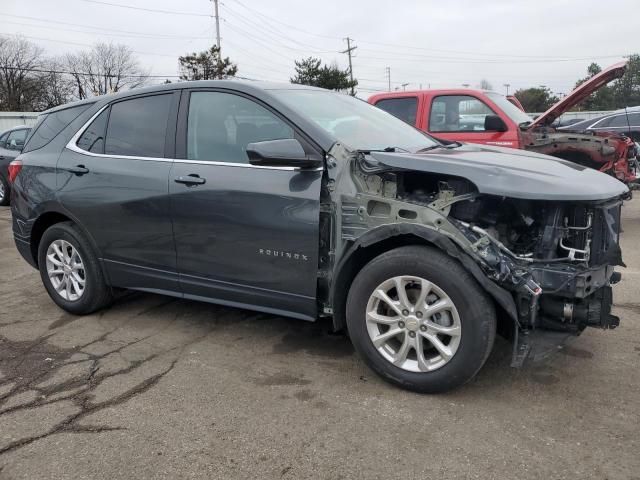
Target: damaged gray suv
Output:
[(306, 203)]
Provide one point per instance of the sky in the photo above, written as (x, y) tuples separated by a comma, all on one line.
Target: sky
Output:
[(424, 44)]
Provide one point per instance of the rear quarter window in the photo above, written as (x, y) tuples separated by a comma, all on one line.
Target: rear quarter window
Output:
[(49, 125)]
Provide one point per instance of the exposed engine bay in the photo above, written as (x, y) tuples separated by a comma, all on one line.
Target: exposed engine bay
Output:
[(555, 259)]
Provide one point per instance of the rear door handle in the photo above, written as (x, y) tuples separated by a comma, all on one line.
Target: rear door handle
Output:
[(191, 179), (79, 170)]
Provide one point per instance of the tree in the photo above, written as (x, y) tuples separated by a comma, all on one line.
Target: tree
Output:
[(602, 99), (485, 85), (536, 99), (106, 68), (207, 65), (626, 90), (56, 87), (20, 64), (310, 72)]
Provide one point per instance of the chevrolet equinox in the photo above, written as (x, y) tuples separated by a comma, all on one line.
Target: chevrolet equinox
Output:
[(306, 203)]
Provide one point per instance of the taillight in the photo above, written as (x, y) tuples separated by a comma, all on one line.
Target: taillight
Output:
[(14, 169)]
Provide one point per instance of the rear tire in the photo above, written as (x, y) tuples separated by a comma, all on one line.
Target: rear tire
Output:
[(70, 270), (5, 192), (453, 323)]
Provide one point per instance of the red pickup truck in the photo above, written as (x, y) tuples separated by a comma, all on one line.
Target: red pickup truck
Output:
[(479, 116)]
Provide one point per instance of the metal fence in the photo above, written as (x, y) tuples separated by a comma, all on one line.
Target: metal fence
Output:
[(13, 119)]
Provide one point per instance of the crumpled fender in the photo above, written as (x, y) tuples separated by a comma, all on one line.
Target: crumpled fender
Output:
[(384, 232)]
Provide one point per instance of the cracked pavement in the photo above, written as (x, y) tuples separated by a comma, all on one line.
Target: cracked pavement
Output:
[(156, 387)]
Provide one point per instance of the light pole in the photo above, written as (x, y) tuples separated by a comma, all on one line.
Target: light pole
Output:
[(507, 85)]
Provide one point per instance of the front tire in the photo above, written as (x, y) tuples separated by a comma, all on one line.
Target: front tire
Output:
[(70, 270), (420, 320)]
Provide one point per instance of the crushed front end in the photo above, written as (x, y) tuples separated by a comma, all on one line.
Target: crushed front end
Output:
[(557, 259), (549, 264)]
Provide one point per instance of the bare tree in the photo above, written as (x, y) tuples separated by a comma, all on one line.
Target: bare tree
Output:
[(57, 87), (20, 65), (106, 68), (485, 85)]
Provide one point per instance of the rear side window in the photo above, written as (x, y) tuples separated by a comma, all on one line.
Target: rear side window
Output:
[(92, 139), (138, 127), (51, 124), (405, 109), (623, 121)]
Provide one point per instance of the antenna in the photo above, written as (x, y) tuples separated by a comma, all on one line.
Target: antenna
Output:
[(626, 114)]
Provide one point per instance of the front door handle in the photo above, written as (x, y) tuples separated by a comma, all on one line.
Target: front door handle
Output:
[(79, 170), (191, 179)]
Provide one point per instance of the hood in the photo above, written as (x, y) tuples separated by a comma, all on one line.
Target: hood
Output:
[(580, 93), (511, 173)]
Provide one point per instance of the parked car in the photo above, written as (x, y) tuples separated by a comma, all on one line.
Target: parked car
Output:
[(306, 203), (489, 118), (11, 143), (621, 122)]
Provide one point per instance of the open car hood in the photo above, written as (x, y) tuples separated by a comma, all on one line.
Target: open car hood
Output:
[(510, 173), (580, 93)]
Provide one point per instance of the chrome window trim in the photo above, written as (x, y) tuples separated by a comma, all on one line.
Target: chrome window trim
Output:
[(72, 145)]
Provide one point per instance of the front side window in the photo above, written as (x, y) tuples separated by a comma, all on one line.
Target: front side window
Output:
[(221, 125), (404, 108), (458, 113), (92, 139), (138, 127)]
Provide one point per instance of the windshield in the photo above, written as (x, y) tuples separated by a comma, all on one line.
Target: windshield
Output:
[(355, 123), (513, 112)]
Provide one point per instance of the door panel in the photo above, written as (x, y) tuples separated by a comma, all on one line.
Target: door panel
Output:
[(248, 235), (245, 235), (121, 198)]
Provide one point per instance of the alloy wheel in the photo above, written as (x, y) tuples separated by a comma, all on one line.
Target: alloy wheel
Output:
[(413, 324), (65, 270)]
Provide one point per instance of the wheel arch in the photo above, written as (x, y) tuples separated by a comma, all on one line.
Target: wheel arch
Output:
[(387, 237), (49, 218)]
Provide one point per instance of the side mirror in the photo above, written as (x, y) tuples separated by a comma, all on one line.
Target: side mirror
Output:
[(280, 153), (493, 123)]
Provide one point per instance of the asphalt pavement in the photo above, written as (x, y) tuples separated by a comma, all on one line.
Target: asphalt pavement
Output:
[(156, 387)]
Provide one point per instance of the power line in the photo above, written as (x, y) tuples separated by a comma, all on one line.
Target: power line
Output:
[(131, 35), (272, 36), (154, 10), (84, 45), (94, 27), (68, 72)]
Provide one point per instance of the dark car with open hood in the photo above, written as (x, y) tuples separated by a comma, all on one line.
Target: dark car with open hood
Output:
[(307, 203)]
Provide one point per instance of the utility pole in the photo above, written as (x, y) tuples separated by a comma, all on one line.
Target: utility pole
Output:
[(348, 52), (215, 10), (507, 85), (388, 70)]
